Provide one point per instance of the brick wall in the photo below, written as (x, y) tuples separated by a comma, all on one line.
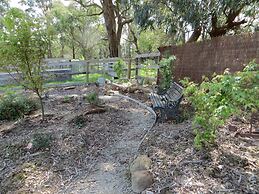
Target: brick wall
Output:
[(204, 58)]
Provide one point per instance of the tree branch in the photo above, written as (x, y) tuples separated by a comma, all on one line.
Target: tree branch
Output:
[(87, 5), (127, 21)]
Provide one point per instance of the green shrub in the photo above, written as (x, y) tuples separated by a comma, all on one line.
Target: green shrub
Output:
[(14, 106), (166, 72), (118, 68), (93, 99), (41, 141), (216, 100)]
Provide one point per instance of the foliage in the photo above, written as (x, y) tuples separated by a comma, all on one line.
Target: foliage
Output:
[(93, 99), (166, 72), (67, 99), (150, 40), (218, 99), (206, 18), (22, 49), (41, 141), (15, 106), (118, 68)]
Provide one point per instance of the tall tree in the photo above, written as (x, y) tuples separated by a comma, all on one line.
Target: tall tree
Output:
[(115, 14), (208, 17), (77, 29)]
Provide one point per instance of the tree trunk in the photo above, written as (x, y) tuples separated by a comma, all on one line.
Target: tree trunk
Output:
[(62, 49), (135, 39), (73, 51), (110, 23), (230, 23), (196, 34), (49, 49), (41, 105)]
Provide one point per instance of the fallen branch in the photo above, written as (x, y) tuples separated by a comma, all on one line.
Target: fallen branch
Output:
[(97, 110)]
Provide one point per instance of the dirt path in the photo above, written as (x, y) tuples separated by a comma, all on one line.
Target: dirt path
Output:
[(110, 174)]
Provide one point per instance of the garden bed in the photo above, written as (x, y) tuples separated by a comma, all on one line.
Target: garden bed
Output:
[(232, 166), (44, 156)]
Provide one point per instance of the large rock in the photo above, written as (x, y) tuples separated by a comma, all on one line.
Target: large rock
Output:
[(142, 162), (141, 180)]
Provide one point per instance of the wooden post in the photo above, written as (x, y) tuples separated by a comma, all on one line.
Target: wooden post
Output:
[(158, 72), (87, 71), (129, 69), (136, 70)]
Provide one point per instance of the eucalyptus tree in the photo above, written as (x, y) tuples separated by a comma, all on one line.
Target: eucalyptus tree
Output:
[(77, 29), (116, 16), (208, 17)]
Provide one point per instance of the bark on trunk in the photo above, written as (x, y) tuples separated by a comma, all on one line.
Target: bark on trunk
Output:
[(49, 49), (195, 35), (41, 105), (62, 49), (230, 23), (73, 52), (110, 24)]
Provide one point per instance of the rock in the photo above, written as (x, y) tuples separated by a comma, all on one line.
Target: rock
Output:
[(141, 180), (142, 162), (147, 192)]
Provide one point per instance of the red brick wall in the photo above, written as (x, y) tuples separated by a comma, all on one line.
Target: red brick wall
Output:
[(194, 60)]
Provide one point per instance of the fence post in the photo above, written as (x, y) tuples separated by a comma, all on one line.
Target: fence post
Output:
[(87, 71), (136, 70), (129, 69)]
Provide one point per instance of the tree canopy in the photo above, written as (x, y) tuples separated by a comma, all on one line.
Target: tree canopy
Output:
[(206, 18), (88, 29)]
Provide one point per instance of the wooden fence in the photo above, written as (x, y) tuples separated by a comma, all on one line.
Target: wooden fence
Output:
[(61, 69)]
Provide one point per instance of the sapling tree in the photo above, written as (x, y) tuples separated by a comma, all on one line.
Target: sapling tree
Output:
[(22, 48)]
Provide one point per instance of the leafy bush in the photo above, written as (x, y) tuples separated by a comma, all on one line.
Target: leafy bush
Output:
[(216, 100), (166, 72), (93, 99), (118, 68), (15, 106)]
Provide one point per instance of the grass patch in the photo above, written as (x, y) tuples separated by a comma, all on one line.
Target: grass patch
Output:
[(81, 78)]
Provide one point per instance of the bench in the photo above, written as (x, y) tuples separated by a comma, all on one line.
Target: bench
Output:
[(166, 105)]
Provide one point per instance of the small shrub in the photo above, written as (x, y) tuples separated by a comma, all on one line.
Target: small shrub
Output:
[(14, 106), (118, 68), (218, 99), (41, 141), (93, 99)]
